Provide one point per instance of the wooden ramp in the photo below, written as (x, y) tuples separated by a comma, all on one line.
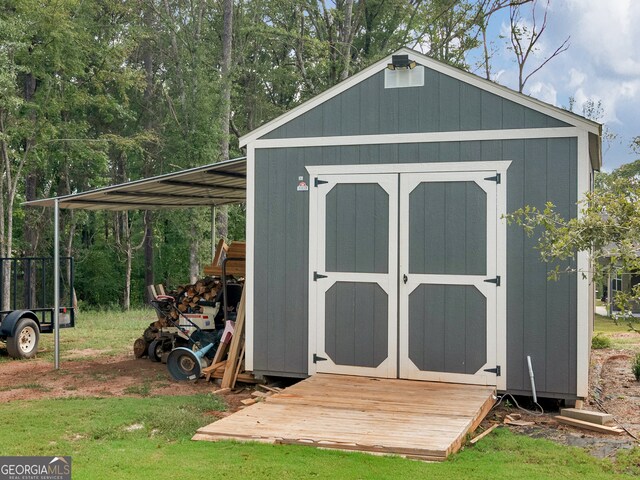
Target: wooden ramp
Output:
[(425, 420)]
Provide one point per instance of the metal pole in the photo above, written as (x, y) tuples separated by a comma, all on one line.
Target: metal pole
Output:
[(213, 232), (56, 282)]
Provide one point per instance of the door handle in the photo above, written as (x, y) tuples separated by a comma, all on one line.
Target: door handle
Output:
[(405, 279)]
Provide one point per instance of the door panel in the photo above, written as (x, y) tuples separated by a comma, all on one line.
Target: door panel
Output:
[(447, 328), (357, 228), (447, 228), (356, 324), (355, 296), (448, 250)]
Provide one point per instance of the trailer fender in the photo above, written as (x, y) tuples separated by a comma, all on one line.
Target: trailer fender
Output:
[(8, 325)]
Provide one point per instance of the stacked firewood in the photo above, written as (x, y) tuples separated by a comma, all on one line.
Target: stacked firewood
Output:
[(191, 298)]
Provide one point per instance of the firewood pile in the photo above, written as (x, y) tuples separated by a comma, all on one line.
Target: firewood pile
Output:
[(191, 298), (203, 300)]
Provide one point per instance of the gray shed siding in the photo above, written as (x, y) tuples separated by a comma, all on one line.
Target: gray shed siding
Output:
[(444, 104), (541, 314)]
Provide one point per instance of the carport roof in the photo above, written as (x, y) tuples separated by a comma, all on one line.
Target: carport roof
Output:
[(214, 184)]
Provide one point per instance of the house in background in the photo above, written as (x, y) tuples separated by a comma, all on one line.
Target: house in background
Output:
[(378, 207)]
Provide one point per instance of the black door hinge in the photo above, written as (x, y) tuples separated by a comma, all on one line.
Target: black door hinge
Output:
[(494, 280), (496, 179), (494, 370), (317, 182), (317, 275), (317, 359)]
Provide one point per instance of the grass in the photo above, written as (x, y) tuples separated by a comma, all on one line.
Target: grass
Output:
[(607, 328), (109, 333), (149, 438), (26, 386)]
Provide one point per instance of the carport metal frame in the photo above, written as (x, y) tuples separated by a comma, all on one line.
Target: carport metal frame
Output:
[(232, 177)]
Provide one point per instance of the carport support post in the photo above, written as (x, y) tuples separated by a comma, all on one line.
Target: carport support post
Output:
[(56, 282)]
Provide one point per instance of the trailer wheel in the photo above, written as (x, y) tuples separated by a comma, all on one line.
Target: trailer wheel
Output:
[(25, 342), (156, 350)]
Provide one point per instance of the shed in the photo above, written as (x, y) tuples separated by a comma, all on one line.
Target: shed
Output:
[(375, 239)]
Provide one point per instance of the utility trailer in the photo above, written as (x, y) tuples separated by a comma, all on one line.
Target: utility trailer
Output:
[(27, 298)]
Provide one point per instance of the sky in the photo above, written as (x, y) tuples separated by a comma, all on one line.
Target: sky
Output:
[(602, 64)]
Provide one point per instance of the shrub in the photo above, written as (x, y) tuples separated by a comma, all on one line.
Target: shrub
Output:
[(600, 341), (635, 367)]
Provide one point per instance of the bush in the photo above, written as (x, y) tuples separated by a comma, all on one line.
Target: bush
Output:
[(600, 341), (635, 367)]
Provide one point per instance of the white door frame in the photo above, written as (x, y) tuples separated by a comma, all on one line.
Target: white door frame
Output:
[(408, 369), (490, 167), (318, 288)]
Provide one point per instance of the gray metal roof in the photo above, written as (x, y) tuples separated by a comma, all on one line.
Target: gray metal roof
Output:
[(214, 184)]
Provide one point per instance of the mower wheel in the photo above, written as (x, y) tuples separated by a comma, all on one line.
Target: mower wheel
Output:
[(155, 351)]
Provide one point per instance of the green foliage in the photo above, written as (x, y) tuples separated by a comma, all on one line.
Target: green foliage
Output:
[(635, 366), (600, 341)]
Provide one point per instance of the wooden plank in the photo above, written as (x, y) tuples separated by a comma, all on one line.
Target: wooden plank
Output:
[(240, 365), (484, 434), (588, 416), (160, 289), (230, 375), (587, 425)]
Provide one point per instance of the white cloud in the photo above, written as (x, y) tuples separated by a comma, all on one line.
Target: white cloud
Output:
[(544, 91)]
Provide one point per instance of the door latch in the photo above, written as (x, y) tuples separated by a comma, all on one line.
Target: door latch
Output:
[(405, 279)]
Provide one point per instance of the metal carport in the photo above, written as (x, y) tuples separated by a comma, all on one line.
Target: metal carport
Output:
[(222, 183)]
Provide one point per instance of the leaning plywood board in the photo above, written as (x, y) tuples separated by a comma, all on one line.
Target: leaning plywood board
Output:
[(235, 349)]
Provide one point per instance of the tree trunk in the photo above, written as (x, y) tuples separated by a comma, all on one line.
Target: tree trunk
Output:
[(346, 39), (227, 45)]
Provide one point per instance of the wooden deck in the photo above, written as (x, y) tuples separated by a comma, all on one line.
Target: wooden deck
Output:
[(423, 420)]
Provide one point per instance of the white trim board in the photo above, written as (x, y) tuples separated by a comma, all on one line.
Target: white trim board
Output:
[(504, 92), (427, 137), (584, 279), (498, 166), (249, 280)]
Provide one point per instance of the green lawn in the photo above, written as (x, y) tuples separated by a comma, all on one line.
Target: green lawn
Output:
[(606, 326), (110, 333), (149, 438)]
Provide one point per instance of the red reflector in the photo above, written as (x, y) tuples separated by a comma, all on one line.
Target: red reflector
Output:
[(64, 309)]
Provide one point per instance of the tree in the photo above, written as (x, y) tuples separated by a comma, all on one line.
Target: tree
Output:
[(524, 37)]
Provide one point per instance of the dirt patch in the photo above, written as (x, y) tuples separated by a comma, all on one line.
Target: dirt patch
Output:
[(612, 389), (103, 377), (615, 389)]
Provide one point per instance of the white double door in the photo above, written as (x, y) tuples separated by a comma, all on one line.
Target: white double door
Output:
[(404, 275)]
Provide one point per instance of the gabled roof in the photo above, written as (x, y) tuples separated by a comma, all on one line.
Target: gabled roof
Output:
[(489, 86), (214, 184)]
